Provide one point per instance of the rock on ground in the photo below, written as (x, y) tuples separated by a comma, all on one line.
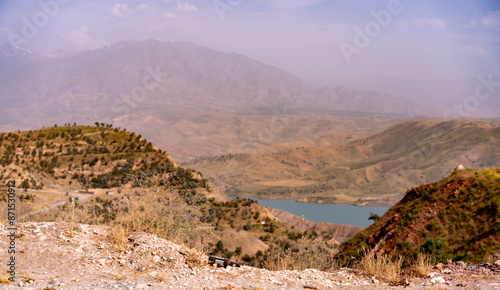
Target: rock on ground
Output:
[(48, 256)]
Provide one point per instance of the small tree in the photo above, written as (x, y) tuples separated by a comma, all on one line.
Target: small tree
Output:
[(25, 184), (374, 216)]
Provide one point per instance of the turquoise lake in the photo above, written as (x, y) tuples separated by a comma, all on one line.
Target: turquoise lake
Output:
[(332, 213)]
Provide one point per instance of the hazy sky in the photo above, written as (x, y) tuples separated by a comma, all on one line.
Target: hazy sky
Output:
[(318, 40)]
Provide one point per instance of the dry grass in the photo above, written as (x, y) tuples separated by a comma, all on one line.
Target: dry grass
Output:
[(170, 218), (300, 257), (421, 266), (119, 237), (386, 268), (5, 279), (162, 277), (194, 258)]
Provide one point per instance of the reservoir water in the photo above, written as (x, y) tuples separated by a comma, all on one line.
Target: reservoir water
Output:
[(332, 213)]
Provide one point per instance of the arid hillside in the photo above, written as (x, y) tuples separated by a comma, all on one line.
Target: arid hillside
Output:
[(204, 102), (107, 176), (52, 256), (371, 170), (456, 218)]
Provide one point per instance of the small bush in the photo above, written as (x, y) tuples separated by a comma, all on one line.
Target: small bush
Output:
[(119, 237), (386, 268)]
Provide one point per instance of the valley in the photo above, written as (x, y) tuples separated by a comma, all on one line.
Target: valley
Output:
[(238, 127), (371, 170), (230, 145)]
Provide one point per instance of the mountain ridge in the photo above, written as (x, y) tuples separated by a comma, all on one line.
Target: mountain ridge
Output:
[(380, 166), (122, 83)]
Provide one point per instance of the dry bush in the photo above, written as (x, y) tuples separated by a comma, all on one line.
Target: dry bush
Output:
[(386, 268), (171, 219), (5, 279), (421, 266), (277, 260), (194, 258), (285, 256), (119, 237), (119, 277), (162, 277)]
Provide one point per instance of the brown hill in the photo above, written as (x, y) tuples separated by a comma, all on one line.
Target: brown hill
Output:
[(456, 218), (99, 158), (370, 170), (104, 175), (193, 92)]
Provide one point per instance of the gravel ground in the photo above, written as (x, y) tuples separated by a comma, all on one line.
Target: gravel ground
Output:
[(47, 258)]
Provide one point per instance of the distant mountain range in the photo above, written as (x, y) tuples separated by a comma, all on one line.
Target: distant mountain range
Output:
[(130, 79)]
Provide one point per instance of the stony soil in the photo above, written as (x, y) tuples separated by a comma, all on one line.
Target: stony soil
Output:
[(48, 257)]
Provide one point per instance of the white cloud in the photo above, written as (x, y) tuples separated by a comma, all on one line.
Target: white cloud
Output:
[(435, 23), (473, 49), (292, 3), (119, 10), (471, 24), (143, 6), (187, 7), (170, 15), (492, 20), (81, 40)]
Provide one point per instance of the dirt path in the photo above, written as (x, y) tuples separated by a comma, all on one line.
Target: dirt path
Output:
[(79, 196)]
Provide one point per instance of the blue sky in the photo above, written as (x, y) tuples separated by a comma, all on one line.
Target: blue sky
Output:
[(449, 39)]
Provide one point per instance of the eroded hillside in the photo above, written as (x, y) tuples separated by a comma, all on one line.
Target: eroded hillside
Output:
[(104, 175), (372, 170), (456, 218)]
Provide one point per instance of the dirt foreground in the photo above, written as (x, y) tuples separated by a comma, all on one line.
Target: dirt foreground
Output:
[(48, 258)]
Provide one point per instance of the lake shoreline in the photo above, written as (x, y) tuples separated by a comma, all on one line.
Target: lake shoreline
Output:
[(364, 201), (347, 214)]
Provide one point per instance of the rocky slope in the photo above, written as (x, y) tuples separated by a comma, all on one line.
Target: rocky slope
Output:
[(457, 218), (50, 257)]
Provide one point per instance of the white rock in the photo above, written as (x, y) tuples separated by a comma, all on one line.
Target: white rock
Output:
[(497, 263), (156, 259), (447, 271), (432, 275), (101, 262), (438, 280)]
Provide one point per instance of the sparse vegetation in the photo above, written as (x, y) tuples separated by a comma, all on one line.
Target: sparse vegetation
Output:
[(386, 267), (453, 219), (157, 196)]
